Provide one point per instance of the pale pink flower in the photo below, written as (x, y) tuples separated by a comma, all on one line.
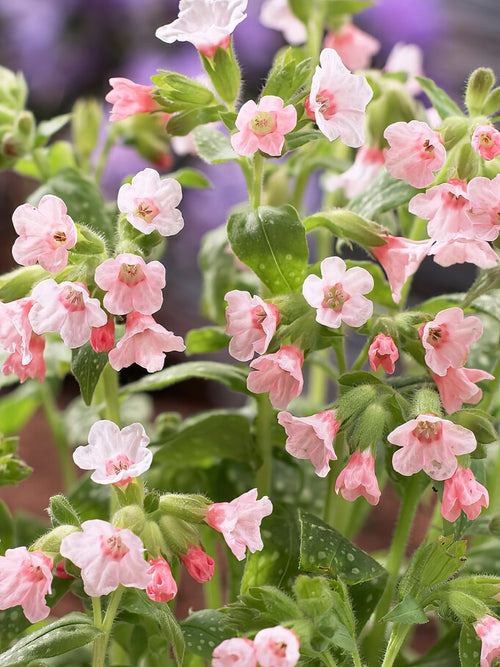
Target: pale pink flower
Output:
[(239, 521), (263, 126), (484, 195), (25, 579), (338, 100), (65, 308), (150, 203), (115, 456), (464, 249), (407, 58), (107, 556), (45, 233), (129, 98), (277, 15), (17, 337), (131, 284), (415, 152), (383, 352), (251, 322), (400, 258), (102, 338), (458, 386), (280, 374), (447, 207), (162, 587), (207, 24), (144, 343), (311, 438), (446, 339), (277, 647), (235, 652), (354, 46), (431, 444), (199, 564), (337, 295), (358, 478), (486, 141), (367, 164), (488, 631), (463, 492)]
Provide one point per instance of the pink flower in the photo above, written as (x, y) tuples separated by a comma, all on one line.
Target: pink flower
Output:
[(150, 203), (45, 233), (463, 492), (199, 564), (367, 164), (107, 556), (407, 58), (415, 152), (458, 386), (277, 647), (431, 444), (235, 652), (447, 208), (129, 98), (16, 336), (311, 438), (239, 521), (484, 196), (65, 308), (207, 24), (400, 258), (102, 338), (263, 126), (131, 284), (354, 46), (337, 295), (25, 579), (447, 338), (277, 15), (358, 478), (115, 456), (486, 141), (144, 343), (251, 322), (464, 249), (383, 352), (162, 587), (488, 631), (338, 100), (280, 374)]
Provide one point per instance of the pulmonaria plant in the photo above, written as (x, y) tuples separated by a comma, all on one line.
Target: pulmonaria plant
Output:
[(263, 126)]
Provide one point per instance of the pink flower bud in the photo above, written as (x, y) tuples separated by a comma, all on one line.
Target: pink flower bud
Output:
[(199, 564), (162, 587), (102, 338), (358, 478), (486, 141), (383, 352), (129, 98)]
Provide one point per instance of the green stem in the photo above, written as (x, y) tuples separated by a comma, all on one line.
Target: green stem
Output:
[(396, 640), (213, 587), (110, 384), (300, 186), (56, 425), (362, 357), (255, 193), (338, 348), (101, 643), (103, 158), (265, 416)]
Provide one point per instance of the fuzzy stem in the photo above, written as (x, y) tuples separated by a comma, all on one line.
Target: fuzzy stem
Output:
[(110, 386), (396, 640), (255, 193), (264, 419), (101, 643)]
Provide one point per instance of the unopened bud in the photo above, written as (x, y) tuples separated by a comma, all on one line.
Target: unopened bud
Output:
[(131, 517), (13, 89), (50, 543), (492, 102), (190, 508), (178, 534), (480, 82), (426, 402), (467, 607), (87, 117), (102, 338), (153, 541)]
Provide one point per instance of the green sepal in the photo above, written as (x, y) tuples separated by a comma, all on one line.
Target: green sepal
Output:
[(224, 73)]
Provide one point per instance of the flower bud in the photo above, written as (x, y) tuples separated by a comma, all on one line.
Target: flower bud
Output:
[(453, 129), (153, 541), (426, 402), (492, 102), (50, 543), (13, 89), (131, 517), (86, 120), (102, 338), (480, 83), (466, 606), (199, 564), (190, 508), (178, 534)]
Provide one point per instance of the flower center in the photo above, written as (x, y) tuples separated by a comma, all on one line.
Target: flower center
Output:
[(326, 102), (485, 140), (113, 546), (428, 431), (59, 237), (146, 209), (279, 649), (35, 573), (116, 465), (263, 123), (335, 297), (258, 315), (131, 274), (434, 336), (428, 149), (72, 299)]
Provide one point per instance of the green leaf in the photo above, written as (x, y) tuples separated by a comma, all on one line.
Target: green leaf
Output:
[(478, 422), (208, 437), (61, 512), (18, 406), (185, 122), (47, 128), (18, 283), (13, 623), (65, 634), (407, 611), (260, 607), (288, 77), (12, 469), (272, 242), (233, 377), (385, 193), (213, 146), (207, 339), (440, 100), (470, 647), (191, 178), (300, 138), (224, 72), (323, 550), (203, 631), (87, 366), (349, 226), (277, 563)]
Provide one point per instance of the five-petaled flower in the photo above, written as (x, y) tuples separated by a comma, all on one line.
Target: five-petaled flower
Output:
[(263, 126), (280, 374), (358, 478), (486, 141), (25, 579), (463, 492), (251, 322)]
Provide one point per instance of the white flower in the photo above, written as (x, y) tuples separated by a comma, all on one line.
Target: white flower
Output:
[(277, 15)]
